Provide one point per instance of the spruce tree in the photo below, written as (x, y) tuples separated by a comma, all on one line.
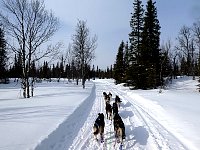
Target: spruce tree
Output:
[(18, 66), (93, 73), (119, 65), (3, 55), (111, 71), (126, 56), (136, 24), (166, 66), (135, 37), (149, 58), (127, 62)]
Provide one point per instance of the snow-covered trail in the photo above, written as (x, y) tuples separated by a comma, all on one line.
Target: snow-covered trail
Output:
[(147, 132), (143, 130)]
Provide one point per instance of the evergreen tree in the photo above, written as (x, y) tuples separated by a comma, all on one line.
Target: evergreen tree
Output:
[(97, 72), (136, 24), (33, 70), (3, 55), (149, 58), (54, 72), (119, 65), (67, 71), (57, 71), (93, 73), (135, 37), (126, 60), (111, 71), (15, 71), (61, 67), (166, 66), (107, 74)]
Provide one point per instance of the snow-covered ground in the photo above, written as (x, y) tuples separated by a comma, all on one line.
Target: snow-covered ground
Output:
[(61, 114)]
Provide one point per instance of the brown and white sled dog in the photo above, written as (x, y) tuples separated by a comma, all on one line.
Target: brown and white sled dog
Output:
[(107, 97), (108, 111), (119, 128), (119, 135), (98, 128)]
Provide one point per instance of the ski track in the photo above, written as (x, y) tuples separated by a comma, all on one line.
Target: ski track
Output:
[(149, 129), (163, 139), (86, 139)]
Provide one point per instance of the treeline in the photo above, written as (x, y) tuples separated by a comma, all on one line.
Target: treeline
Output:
[(72, 70), (145, 64), (141, 62), (58, 70)]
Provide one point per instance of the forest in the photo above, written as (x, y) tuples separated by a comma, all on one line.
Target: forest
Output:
[(142, 62)]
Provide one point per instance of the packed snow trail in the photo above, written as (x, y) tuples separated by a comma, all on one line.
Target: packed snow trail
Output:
[(143, 131)]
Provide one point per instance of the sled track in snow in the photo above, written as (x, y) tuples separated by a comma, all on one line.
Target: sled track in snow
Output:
[(160, 134), (87, 141)]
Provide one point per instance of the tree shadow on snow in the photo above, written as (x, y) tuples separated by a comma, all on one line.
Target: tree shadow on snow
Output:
[(137, 135)]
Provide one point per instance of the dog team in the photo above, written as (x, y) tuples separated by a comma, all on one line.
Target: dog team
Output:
[(113, 115)]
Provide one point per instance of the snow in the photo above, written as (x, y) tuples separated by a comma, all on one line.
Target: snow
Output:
[(61, 115)]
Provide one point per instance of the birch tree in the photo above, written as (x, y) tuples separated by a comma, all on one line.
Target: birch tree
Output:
[(83, 48), (186, 46), (30, 25), (196, 31)]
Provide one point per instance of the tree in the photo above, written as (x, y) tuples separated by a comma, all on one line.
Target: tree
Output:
[(136, 24), (83, 47), (196, 31), (186, 46), (18, 66), (166, 63), (30, 25), (3, 55), (93, 74), (149, 58), (132, 53), (119, 70)]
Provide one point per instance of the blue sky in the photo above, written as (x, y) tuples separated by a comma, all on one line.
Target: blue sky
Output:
[(109, 20)]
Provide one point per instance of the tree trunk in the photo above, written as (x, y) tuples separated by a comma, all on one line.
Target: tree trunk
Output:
[(83, 82), (77, 81), (28, 87), (23, 84), (32, 87)]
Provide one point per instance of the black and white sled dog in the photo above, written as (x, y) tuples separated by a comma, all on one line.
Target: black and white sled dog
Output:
[(118, 101), (98, 128), (104, 95)]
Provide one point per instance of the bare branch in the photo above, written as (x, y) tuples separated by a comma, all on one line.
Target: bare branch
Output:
[(30, 25)]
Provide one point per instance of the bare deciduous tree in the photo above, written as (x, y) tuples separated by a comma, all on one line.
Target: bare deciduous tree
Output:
[(196, 31), (83, 47), (186, 45), (30, 25)]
